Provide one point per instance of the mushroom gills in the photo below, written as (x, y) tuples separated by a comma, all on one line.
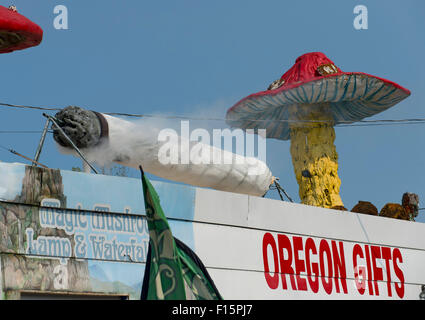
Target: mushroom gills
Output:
[(9, 39)]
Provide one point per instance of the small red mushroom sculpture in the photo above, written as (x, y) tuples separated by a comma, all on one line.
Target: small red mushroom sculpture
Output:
[(16, 31)]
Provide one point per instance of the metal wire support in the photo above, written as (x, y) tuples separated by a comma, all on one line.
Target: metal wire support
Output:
[(41, 143), (279, 189), (22, 156), (69, 140)]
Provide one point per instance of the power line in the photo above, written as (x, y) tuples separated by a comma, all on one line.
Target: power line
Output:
[(340, 123), (23, 131), (28, 107), (395, 122), (182, 117)]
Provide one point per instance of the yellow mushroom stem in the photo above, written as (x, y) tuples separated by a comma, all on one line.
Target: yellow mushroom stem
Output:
[(314, 154)]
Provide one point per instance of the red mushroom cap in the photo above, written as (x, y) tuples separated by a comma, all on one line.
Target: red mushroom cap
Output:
[(17, 32)]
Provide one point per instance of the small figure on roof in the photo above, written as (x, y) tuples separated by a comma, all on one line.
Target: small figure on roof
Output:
[(410, 203)]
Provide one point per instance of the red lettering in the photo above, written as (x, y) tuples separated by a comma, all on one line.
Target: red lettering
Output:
[(386, 255), (340, 272), (312, 268), (326, 279), (287, 255), (299, 264), (369, 270), (272, 281), (359, 271), (285, 264), (377, 272), (399, 288)]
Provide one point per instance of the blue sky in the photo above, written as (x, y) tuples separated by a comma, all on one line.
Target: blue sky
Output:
[(201, 57)]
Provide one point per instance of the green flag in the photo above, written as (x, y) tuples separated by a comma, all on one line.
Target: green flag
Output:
[(173, 271)]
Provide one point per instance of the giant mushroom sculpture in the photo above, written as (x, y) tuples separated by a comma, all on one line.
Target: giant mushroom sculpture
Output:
[(303, 106), (16, 31)]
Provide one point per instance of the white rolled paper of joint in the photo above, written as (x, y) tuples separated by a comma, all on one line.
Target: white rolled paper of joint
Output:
[(133, 144)]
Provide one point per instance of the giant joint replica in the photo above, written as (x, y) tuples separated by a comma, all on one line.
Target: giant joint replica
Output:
[(130, 144), (303, 106)]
